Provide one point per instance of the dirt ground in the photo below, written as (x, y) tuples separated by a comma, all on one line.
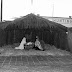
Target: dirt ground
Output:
[(52, 66), (10, 50)]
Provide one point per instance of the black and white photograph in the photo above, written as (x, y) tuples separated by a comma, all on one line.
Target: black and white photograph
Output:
[(35, 36)]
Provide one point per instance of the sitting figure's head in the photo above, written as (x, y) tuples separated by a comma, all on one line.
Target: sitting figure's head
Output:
[(37, 37)]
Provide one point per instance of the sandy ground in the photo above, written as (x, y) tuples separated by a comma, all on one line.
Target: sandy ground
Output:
[(10, 51), (37, 69)]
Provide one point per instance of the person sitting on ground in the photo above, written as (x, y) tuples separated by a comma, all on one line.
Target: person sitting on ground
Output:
[(21, 46), (38, 44)]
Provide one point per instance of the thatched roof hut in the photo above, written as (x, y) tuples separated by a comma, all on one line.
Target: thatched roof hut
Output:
[(48, 31), (33, 21)]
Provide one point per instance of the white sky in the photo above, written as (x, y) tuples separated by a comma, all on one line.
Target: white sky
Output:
[(17, 8)]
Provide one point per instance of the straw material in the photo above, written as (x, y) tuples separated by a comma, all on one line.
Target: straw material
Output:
[(32, 21)]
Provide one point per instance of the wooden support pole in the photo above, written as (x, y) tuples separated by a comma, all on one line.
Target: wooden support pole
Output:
[(1, 9)]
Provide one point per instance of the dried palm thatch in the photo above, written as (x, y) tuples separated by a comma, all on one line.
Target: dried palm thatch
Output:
[(32, 21), (3, 25)]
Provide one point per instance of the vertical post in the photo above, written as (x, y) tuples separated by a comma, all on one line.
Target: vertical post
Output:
[(1, 9)]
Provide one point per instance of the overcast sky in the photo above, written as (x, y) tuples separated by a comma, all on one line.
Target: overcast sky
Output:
[(17, 8)]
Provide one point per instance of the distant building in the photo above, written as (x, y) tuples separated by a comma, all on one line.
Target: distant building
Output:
[(62, 20)]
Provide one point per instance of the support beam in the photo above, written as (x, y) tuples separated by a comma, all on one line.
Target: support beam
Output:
[(1, 9)]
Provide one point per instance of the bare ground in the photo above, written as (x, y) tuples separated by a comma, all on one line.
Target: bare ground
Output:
[(10, 50), (52, 51)]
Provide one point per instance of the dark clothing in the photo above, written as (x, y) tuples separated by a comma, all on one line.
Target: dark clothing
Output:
[(36, 48)]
